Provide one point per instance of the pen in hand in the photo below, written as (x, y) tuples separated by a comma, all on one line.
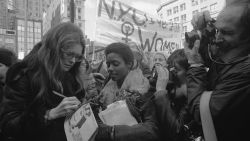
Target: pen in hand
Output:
[(63, 96), (58, 94)]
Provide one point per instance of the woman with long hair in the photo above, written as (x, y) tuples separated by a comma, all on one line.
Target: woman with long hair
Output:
[(45, 87)]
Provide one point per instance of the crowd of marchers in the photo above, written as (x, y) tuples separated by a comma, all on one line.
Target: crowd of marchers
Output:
[(39, 91)]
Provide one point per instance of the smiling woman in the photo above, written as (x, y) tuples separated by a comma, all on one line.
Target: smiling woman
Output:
[(31, 110)]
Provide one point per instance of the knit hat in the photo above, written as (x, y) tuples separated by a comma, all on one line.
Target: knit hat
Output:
[(7, 57)]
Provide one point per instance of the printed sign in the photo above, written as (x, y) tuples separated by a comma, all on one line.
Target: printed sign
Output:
[(81, 126), (118, 22)]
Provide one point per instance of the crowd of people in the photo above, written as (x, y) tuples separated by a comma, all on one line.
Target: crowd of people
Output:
[(38, 92)]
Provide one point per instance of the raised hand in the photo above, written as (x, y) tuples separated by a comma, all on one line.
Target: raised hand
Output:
[(193, 54), (163, 77)]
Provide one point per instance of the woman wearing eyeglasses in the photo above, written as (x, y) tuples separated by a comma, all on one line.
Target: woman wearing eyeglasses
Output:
[(31, 110)]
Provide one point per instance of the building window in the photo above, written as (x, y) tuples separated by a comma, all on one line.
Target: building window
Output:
[(19, 27), (169, 12), (184, 28), (213, 7), (195, 12), (183, 7), (10, 5), (30, 24), (161, 16), (79, 10), (68, 13), (176, 19), (203, 1), (170, 20), (79, 17), (20, 22), (204, 9), (80, 24), (176, 9), (183, 18), (194, 2)]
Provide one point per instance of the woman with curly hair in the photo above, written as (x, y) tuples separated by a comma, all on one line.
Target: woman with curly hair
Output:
[(31, 110), (171, 103), (129, 85)]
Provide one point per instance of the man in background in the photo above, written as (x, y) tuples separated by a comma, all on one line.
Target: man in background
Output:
[(7, 58)]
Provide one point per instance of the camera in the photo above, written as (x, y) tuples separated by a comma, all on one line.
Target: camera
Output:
[(191, 37), (172, 83), (205, 31)]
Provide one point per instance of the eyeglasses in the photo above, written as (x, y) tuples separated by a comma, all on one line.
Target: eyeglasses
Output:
[(71, 55)]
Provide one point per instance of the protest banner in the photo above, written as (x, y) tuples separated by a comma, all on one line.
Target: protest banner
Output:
[(81, 126), (118, 22)]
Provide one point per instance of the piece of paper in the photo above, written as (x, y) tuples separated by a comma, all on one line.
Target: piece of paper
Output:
[(117, 114), (81, 126)]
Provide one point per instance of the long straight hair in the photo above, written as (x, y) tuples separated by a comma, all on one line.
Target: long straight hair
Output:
[(45, 60)]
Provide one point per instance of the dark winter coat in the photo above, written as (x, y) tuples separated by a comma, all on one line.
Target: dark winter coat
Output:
[(230, 100), (1, 91), (23, 119)]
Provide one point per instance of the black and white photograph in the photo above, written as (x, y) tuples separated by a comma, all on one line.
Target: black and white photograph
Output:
[(124, 70)]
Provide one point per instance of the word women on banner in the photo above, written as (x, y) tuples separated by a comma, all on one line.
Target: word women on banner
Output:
[(118, 22)]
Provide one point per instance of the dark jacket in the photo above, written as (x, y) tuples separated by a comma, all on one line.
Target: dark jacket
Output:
[(230, 100), (146, 130), (22, 118), (143, 109), (1, 91), (175, 123)]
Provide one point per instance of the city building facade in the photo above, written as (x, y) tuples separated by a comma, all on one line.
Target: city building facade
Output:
[(182, 11), (7, 25), (29, 24), (21, 24), (59, 11)]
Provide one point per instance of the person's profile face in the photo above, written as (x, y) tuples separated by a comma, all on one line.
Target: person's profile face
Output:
[(159, 60), (180, 73), (117, 67), (71, 55), (3, 71), (228, 26)]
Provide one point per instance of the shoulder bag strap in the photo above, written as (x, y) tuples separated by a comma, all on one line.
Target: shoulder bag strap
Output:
[(206, 118)]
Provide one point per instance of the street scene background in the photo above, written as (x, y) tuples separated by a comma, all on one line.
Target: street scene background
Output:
[(153, 25)]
